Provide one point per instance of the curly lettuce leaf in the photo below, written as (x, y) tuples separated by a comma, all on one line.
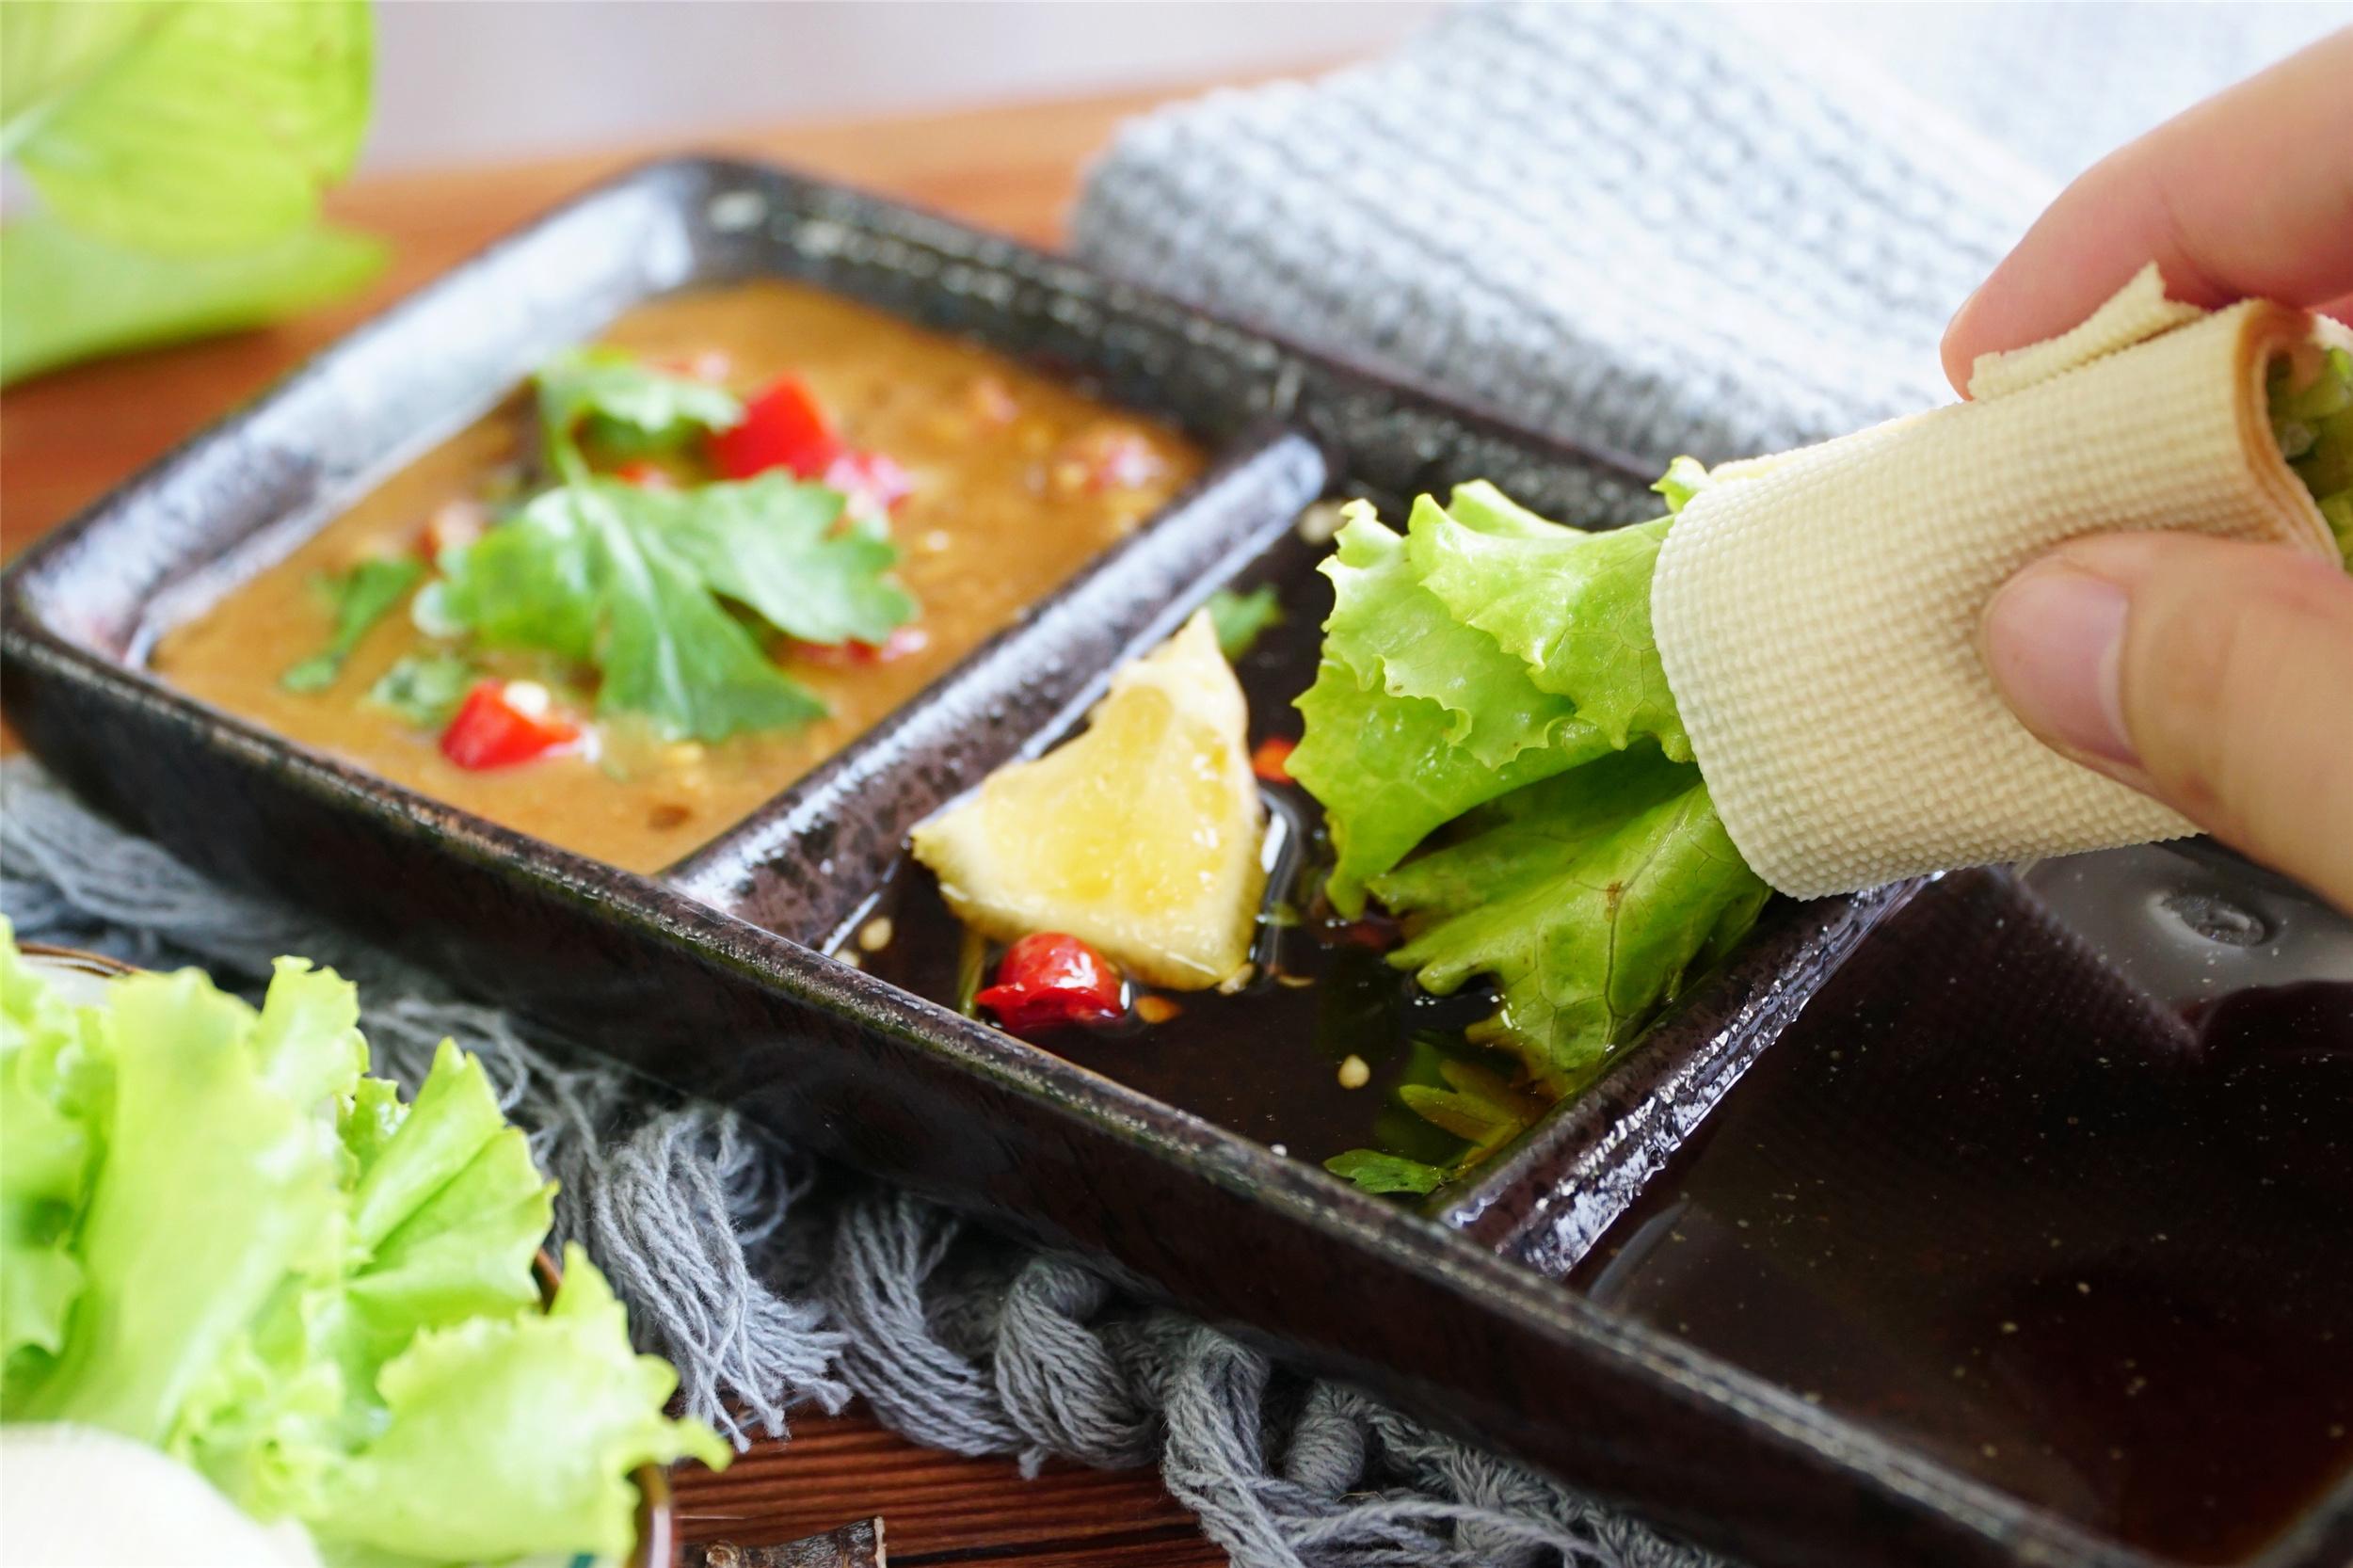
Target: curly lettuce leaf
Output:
[(1415, 718), (319, 1297), (49, 1092), (1574, 608), (221, 1177), (462, 1471), (1387, 777), (1388, 625), (1587, 898), (446, 1212)]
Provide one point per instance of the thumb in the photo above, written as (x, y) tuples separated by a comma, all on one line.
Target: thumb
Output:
[(2215, 676)]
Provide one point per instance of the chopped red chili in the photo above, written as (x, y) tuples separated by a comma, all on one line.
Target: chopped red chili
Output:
[(1271, 760), (1048, 981), (492, 729), (784, 426)]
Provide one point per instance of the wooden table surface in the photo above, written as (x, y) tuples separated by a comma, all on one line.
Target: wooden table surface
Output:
[(66, 437)]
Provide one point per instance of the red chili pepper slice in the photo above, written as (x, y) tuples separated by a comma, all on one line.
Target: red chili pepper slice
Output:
[(1048, 981), (1271, 760), (491, 730), (785, 427)]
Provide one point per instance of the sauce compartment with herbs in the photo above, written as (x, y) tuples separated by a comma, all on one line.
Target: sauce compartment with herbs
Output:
[(683, 569)]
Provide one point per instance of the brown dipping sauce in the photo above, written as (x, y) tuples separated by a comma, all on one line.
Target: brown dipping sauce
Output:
[(1018, 482), (2074, 1218)]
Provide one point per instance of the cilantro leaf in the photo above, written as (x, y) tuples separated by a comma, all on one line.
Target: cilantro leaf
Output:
[(1589, 898), (589, 572), (362, 597), (1378, 1172), (626, 395), (1240, 619), (424, 688), (768, 544)]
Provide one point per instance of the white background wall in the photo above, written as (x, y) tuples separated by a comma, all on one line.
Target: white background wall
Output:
[(489, 79), (468, 80)]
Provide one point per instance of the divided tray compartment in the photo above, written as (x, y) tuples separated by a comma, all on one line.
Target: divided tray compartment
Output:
[(701, 979)]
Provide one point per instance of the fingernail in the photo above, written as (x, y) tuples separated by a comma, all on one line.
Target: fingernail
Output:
[(2054, 640)]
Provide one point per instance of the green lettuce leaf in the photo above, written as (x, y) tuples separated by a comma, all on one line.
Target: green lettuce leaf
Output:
[(67, 296), (1587, 898), (1387, 624), (186, 128), (446, 1212), (2313, 423), (1491, 695), (1574, 608), (180, 150), (462, 1470), (1387, 777), (221, 1178), (49, 1090), (360, 598), (221, 1238), (1414, 717)]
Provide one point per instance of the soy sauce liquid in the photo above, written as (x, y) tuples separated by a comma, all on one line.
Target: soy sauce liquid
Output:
[(2055, 1178), (1266, 1060)]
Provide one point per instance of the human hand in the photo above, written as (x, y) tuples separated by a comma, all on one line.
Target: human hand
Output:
[(2215, 676)]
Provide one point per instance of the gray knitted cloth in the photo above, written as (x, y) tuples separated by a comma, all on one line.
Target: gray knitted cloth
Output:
[(1646, 228)]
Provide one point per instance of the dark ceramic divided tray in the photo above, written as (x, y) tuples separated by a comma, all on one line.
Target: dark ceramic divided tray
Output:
[(1539, 1307)]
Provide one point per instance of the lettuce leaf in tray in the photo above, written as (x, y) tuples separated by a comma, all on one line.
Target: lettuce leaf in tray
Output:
[(1587, 898), (1491, 695)]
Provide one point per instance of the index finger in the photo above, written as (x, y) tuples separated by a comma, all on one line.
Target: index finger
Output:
[(2248, 194)]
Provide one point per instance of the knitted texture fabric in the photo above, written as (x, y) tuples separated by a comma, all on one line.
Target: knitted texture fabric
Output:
[(1659, 229), (1652, 229)]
